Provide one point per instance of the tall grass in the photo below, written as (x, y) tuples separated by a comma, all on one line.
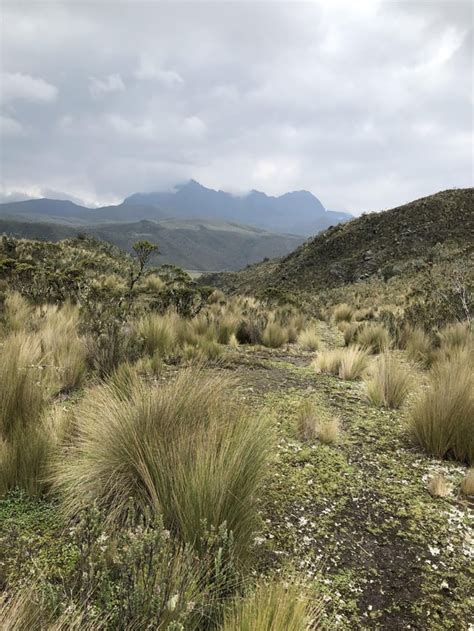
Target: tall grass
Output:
[(185, 450), (274, 607), (374, 338), (354, 363), (17, 312), (418, 345), (309, 339), (442, 419), (390, 385), (274, 335), (343, 312), (157, 333), (25, 441)]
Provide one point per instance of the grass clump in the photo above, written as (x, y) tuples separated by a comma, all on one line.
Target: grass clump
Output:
[(309, 339), (354, 362), (157, 333), (273, 607), (390, 385), (329, 432), (17, 313), (343, 313), (467, 484), (438, 486), (328, 362), (374, 338), (274, 335), (184, 450), (418, 345), (442, 419), (306, 421)]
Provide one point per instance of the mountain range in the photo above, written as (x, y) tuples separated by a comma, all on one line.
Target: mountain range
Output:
[(195, 227)]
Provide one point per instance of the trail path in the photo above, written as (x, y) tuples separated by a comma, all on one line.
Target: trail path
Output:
[(356, 517)]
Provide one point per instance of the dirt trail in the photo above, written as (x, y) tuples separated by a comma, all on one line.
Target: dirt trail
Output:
[(356, 517)]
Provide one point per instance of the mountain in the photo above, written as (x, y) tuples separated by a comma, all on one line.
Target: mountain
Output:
[(189, 243), (396, 242), (299, 212)]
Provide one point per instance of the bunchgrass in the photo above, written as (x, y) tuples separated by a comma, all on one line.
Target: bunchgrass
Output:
[(374, 338), (185, 450), (442, 418), (390, 384), (274, 335), (309, 339)]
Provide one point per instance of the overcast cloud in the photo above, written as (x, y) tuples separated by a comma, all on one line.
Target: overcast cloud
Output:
[(366, 104)]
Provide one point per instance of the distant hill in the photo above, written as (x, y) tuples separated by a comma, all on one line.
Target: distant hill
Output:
[(299, 212), (192, 244), (380, 245)]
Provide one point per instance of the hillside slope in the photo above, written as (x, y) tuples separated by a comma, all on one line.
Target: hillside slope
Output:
[(377, 245), (191, 244)]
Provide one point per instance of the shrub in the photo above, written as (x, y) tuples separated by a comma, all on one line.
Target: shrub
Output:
[(273, 607), (343, 312), (442, 419), (390, 384), (309, 339), (353, 363), (274, 335), (374, 338), (184, 449)]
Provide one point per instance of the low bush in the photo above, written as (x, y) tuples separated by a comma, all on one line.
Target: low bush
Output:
[(442, 419)]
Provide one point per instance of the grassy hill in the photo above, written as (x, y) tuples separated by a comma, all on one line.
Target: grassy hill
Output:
[(370, 252), (192, 244)]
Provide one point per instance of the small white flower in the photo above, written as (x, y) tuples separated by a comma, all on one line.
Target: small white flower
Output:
[(172, 602)]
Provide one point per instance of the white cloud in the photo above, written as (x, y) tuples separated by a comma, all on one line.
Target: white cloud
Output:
[(149, 70), (16, 86), (111, 83)]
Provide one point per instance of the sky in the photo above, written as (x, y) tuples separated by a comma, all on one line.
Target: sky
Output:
[(366, 104)]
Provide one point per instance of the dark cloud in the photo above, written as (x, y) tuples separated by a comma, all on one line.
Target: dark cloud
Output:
[(366, 104)]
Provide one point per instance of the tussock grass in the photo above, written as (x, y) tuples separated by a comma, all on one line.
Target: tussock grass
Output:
[(307, 420), (354, 362), (467, 484), (442, 419), (343, 312), (328, 362), (374, 338), (390, 385), (329, 432), (309, 339), (418, 345), (456, 336), (66, 351), (274, 335), (276, 606), (350, 332), (185, 450), (158, 333), (17, 313), (438, 486)]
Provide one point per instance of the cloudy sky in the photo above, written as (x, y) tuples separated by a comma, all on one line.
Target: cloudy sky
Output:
[(366, 104)]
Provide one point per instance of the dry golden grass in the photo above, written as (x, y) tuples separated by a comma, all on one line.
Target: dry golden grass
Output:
[(374, 338), (158, 333), (438, 486), (17, 312), (185, 450), (390, 384), (274, 335), (467, 484), (343, 312), (329, 432), (442, 419), (418, 345), (328, 362), (274, 607), (307, 420), (354, 362), (309, 339)]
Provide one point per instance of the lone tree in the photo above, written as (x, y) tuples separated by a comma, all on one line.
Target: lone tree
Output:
[(143, 250)]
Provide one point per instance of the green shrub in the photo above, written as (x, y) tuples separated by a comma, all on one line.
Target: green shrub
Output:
[(442, 419)]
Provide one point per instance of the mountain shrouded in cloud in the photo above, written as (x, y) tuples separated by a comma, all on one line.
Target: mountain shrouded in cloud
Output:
[(368, 104)]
